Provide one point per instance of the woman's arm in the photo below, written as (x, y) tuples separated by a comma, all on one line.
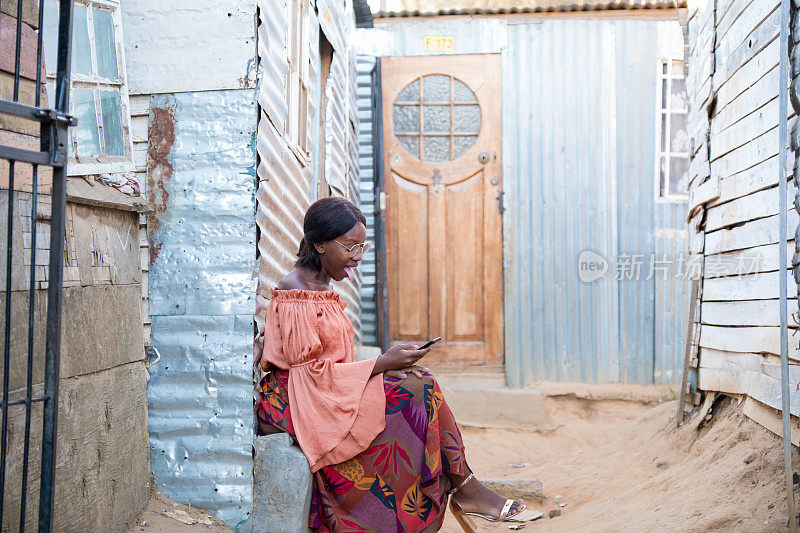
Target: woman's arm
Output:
[(399, 357)]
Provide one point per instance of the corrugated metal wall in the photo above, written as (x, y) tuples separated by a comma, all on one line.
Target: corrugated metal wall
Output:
[(559, 154), (579, 107), (202, 238), (582, 178), (369, 311)]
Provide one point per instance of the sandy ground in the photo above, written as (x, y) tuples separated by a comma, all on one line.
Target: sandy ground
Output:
[(623, 467), (619, 466)]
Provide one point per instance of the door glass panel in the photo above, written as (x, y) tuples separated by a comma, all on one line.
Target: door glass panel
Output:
[(436, 88), (410, 93), (410, 144), (467, 118), (455, 119), (462, 143), (436, 148), (406, 118), (462, 93), (436, 119)]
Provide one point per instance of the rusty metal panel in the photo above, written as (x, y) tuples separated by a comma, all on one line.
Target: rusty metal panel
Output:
[(173, 46), (202, 238)]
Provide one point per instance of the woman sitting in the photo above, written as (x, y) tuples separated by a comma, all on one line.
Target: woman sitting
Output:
[(382, 443)]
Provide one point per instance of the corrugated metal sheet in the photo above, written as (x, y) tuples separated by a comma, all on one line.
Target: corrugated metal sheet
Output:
[(426, 8), (584, 180), (202, 33), (202, 237), (369, 312), (559, 175)]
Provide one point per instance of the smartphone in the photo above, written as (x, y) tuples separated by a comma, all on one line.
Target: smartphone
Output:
[(429, 343)]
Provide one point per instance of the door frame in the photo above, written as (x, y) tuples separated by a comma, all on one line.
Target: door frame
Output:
[(497, 328)]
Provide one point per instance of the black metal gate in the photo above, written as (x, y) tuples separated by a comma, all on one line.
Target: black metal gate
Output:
[(35, 176)]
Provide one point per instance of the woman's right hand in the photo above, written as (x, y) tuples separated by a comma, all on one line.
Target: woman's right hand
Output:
[(399, 357)]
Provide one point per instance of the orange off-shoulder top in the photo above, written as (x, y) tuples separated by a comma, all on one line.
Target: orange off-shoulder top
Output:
[(337, 406)]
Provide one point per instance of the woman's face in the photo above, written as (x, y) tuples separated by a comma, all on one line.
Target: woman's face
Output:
[(336, 260)]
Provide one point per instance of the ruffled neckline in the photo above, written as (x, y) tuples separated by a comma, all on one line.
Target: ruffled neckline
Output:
[(304, 295)]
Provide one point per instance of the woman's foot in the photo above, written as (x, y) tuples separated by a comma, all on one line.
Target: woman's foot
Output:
[(474, 497)]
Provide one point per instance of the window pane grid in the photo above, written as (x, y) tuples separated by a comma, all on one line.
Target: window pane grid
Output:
[(672, 150)]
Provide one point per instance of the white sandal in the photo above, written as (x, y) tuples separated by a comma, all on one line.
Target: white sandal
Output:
[(466, 523)]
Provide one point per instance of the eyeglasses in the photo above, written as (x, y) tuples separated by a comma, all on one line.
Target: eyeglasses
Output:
[(356, 248)]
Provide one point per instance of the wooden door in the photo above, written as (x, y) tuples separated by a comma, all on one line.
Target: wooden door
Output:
[(443, 210)]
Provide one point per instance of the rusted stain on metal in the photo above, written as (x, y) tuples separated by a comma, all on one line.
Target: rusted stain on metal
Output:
[(161, 137)]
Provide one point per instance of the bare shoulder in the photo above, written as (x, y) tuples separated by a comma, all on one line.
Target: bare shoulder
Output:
[(291, 281)]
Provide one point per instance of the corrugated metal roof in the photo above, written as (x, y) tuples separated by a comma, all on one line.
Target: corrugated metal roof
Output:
[(429, 9)]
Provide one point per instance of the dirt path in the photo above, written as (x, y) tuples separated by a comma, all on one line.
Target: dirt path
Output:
[(623, 467), (619, 467)]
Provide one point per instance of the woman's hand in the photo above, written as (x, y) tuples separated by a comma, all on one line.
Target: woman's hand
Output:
[(403, 374), (399, 357)]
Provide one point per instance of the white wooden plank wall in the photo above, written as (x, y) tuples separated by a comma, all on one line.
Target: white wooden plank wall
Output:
[(733, 128), (140, 112)]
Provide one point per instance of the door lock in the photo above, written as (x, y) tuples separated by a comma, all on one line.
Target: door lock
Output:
[(483, 158)]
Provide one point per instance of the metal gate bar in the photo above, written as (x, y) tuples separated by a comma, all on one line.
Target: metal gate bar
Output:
[(53, 124)]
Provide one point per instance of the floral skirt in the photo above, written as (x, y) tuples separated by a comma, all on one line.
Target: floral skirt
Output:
[(398, 483)]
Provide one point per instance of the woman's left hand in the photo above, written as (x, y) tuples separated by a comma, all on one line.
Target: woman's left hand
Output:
[(402, 374)]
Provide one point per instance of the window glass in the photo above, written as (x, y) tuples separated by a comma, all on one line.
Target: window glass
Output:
[(81, 52), (50, 35), (112, 125), (86, 132), (105, 44), (672, 157)]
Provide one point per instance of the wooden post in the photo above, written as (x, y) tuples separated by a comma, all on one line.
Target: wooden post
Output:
[(688, 351)]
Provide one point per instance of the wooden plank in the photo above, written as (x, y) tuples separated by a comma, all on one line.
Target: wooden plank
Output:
[(746, 313), (748, 261), (739, 29), (139, 104), (754, 152), (745, 339), (755, 233), (730, 12), (770, 419), (761, 176), (705, 192), (747, 76), (767, 390), (711, 358), (734, 107), (731, 60), (741, 132), (728, 380), (689, 347), (754, 206), (761, 286)]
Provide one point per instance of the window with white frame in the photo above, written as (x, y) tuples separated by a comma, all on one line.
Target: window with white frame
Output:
[(298, 57), (99, 97), (672, 140)]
